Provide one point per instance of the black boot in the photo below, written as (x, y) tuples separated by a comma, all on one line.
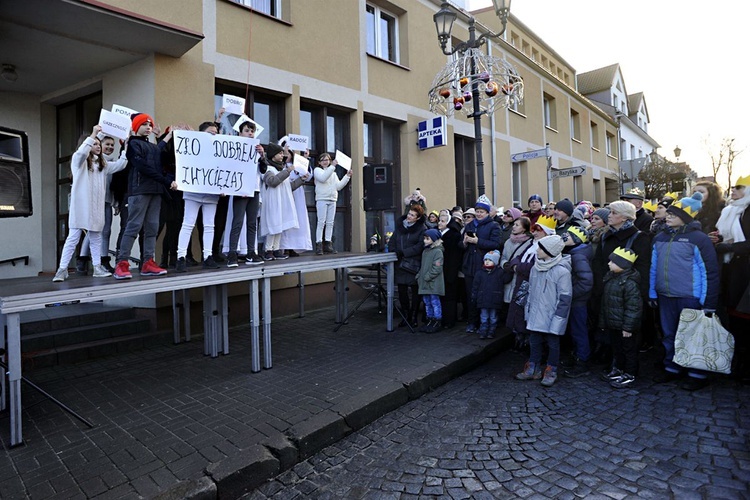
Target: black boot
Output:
[(328, 247), (82, 265), (107, 265)]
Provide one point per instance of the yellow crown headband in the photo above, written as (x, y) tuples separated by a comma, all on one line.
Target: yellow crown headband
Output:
[(547, 222), (650, 206), (743, 181), (674, 195), (580, 233), (685, 208), (626, 254)]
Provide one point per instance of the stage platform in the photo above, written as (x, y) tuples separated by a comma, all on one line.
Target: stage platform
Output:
[(29, 294)]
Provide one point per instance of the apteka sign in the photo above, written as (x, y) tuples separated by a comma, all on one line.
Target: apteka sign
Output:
[(216, 164), (432, 133)]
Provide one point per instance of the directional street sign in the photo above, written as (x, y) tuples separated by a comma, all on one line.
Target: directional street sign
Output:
[(568, 172), (528, 155)]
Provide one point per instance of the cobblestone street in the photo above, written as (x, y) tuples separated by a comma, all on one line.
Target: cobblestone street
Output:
[(486, 435)]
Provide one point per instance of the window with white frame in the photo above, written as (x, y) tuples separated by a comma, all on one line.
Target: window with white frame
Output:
[(516, 184), (610, 144), (550, 117), (269, 7), (382, 34), (594, 136)]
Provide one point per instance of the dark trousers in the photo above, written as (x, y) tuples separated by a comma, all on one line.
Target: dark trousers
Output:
[(408, 298), (669, 316), (172, 212), (244, 208), (123, 225), (536, 343), (625, 351), (472, 315), (450, 304), (579, 332)]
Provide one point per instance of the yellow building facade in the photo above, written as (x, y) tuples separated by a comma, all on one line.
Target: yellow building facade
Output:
[(352, 75)]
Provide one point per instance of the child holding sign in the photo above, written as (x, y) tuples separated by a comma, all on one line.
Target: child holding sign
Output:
[(146, 185), (327, 187), (246, 208), (88, 193), (278, 212)]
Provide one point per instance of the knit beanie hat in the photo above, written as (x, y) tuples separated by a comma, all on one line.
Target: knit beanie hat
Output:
[(551, 245), (514, 213), (687, 208), (602, 213), (272, 150), (139, 119), (623, 257), (493, 255), (535, 197), (484, 203), (433, 234), (566, 206)]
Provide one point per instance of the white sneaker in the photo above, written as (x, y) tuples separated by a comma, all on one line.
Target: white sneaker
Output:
[(101, 272), (60, 275)]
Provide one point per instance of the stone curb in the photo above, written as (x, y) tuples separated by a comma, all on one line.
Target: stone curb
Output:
[(234, 476)]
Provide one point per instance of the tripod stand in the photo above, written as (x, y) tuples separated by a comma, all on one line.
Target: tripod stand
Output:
[(365, 281)]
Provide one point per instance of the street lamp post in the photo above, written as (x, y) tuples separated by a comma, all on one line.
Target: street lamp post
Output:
[(444, 19)]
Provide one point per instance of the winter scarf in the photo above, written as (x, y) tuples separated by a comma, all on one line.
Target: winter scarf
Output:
[(729, 221), (546, 265), (519, 238)]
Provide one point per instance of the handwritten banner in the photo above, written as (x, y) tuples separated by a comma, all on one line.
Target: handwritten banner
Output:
[(233, 104), (298, 142), (114, 125), (122, 110), (216, 164), (301, 165), (344, 161)]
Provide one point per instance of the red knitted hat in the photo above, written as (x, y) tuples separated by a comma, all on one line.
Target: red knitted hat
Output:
[(139, 119)]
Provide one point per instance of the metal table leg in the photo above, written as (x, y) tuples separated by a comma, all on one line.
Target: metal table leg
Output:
[(254, 326), (223, 294), (301, 284), (389, 297), (13, 322), (186, 313), (3, 358), (267, 357), (176, 310)]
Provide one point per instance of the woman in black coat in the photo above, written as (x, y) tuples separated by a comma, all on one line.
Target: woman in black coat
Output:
[(407, 243), (452, 257)]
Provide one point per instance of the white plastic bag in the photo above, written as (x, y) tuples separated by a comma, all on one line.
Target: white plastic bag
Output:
[(702, 343)]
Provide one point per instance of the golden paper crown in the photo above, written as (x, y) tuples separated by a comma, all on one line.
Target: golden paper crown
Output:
[(547, 222), (743, 181), (626, 254), (673, 195), (650, 206), (685, 207), (580, 233)]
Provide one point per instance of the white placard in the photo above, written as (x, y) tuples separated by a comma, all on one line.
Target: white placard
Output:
[(216, 164), (122, 110), (244, 118), (297, 142), (344, 161), (301, 165), (114, 125), (233, 104)]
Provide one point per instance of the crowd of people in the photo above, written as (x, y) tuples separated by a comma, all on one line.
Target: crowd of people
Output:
[(579, 284), (140, 186)]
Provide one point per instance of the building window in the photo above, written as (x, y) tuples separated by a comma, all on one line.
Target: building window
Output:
[(595, 136), (382, 34), (534, 55), (610, 144), (575, 125), (328, 130), (519, 107), (382, 146), (550, 117), (578, 187), (516, 184), (265, 109), (597, 187), (268, 7)]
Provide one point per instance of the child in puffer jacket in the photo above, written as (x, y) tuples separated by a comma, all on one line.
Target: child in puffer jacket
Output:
[(487, 292)]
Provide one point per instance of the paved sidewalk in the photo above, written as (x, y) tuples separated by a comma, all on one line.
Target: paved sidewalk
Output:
[(172, 422)]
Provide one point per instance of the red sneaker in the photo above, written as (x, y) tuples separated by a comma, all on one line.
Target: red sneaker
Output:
[(150, 268), (122, 271)]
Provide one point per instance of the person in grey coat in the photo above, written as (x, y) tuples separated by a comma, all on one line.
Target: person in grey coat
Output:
[(548, 307), (430, 280)]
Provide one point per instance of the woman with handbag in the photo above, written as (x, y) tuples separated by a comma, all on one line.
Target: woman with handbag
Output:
[(732, 241), (407, 242), (519, 241)]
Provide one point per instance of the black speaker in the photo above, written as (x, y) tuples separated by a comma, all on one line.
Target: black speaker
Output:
[(15, 178), (378, 186)]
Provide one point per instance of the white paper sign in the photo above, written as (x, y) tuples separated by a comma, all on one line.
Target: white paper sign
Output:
[(301, 165), (114, 125), (233, 104), (122, 110), (344, 161), (297, 142), (244, 118), (216, 164)]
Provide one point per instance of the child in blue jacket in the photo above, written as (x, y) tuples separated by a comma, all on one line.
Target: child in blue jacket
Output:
[(487, 293)]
